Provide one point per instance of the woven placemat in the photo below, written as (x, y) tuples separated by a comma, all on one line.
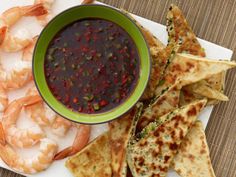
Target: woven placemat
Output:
[(212, 20)]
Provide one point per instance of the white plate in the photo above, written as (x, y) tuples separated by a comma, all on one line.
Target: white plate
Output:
[(10, 60)]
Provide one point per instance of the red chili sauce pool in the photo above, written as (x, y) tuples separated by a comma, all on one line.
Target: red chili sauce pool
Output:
[(92, 65)]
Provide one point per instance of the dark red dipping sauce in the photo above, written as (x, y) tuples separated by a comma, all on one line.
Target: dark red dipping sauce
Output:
[(92, 65)]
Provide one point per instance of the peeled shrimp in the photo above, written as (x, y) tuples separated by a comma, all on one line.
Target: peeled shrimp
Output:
[(8, 18), (45, 116), (61, 126), (80, 141), (37, 163), (39, 112), (17, 78), (20, 137), (17, 42), (44, 19), (22, 74)]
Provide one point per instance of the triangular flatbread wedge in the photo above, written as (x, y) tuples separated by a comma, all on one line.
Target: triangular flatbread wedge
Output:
[(193, 157), (120, 131), (164, 104), (203, 88), (93, 161), (153, 154), (188, 69), (211, 88), (180, 32)]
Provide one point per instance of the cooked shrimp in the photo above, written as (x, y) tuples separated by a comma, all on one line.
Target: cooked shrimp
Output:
[(17, 78), (45, 116), (8, 18), (28, 51), (3, 98), (81, 140), (37, 163), (44, 19), (22, 73), (20, 137), (87, 2), (17, 42), (39, 112), (61, 126)]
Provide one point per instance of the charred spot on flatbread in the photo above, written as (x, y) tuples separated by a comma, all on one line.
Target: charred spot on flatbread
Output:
[(166, 103), (193, 158), (120, 132), (94, 160), (187, 69), (162, 142), (180, 32)]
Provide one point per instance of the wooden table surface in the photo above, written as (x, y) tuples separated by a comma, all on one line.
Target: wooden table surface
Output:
[(215, 21)]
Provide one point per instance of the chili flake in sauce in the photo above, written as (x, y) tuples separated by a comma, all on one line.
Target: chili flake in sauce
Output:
[(92, 65)]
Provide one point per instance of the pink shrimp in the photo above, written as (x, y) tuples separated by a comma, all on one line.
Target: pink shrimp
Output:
[(61, 126), (20, 137), (39, 162), (44, 116), (18, 77), (22, 73), (81, 140), (8, 18)]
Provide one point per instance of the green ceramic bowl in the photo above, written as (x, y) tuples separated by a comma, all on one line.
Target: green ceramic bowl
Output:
[(69, 16)]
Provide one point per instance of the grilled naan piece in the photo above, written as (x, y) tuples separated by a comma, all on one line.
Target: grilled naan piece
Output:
[(120, 131), (187, 69), (159, 54), (202, 88), (164, 104), (181, 33), (193, 157), (184, 70), (94, 160), (152, 155)]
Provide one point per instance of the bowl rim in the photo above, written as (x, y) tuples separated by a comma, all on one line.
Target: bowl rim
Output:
[(146, 81)]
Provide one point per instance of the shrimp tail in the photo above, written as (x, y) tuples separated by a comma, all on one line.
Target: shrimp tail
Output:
[(2, 135), (3, 31), (34, 10), (81, 140), (63, 154), (87, 2), (31, 100)]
